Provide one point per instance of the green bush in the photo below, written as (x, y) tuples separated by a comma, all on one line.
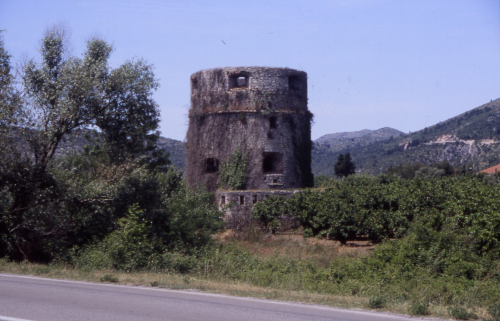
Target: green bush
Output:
[(460, 313), (270, 211), (494, 311), (110, 279), (376, 302), (164, 241), (419, 308), (384, 207)]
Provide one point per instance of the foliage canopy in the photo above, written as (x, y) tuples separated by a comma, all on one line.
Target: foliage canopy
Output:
[(52, 206)]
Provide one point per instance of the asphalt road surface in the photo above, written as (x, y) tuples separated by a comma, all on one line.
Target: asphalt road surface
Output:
[(25, 298)]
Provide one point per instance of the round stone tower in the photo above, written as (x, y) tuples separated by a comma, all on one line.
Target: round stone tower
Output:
[(263, 112)]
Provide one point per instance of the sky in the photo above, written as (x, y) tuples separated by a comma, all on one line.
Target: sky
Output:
[(370, 63)]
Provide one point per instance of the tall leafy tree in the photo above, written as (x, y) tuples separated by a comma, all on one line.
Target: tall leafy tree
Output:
[(339, 165), (9, 98), (344, 165), (64, 93), (6, 89), (60, 94)]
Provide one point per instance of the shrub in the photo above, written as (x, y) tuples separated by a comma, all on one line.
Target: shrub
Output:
[(110, 279), (460, 313), (165, 240), (376, 302), (386, 207), (419, 308), (494, 311), (270, 211)]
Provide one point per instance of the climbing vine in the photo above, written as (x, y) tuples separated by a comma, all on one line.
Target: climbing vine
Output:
[(264, 104), (233, 173)]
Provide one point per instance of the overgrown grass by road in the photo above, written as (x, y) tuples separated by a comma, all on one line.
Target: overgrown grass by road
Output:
[(291, 268)]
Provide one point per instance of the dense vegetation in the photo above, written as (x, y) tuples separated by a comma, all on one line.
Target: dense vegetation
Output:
[(120, 187), (441, 233), (387, 207)]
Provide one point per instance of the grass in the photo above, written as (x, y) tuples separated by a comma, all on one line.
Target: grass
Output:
[(290, 247), (419, 308), (376, 302), (175, 282), (110, 278), (293, 246)]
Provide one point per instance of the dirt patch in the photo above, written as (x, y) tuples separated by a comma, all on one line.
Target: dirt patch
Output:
[(293, 245)]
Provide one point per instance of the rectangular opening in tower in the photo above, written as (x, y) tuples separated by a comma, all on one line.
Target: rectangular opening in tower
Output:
[(272, 163), (211, 165), (294, 82), (239, 80), (273, 122), (242, 199)]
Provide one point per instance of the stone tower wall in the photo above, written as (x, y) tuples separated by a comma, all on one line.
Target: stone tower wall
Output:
[(248, 89), (262, 111)]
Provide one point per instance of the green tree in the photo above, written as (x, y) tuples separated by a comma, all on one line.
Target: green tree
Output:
[(406, 170), (61, 94), (64, 93), (8, 94), (344, 165), (9, 103)]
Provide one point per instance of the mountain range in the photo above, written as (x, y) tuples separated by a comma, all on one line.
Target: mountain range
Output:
[(471, 138)]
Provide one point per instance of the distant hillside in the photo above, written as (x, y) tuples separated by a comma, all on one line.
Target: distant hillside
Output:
[(339, 141), (76, 140), (472, 137), (177, 150)]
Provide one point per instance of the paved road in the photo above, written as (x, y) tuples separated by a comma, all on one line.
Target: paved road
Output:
[(38, 299)]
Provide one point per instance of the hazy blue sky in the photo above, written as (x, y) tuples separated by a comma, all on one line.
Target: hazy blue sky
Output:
[(370, 63)]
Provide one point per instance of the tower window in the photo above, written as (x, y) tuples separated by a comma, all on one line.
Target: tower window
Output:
[(211, 165), (272, 163), (239, 80), (273, 122), (194, 83), (254, 199), (294, 82), (222, 200), (242, 199)]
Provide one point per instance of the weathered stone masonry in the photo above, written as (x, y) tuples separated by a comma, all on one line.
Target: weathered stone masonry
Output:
[(263, 111), (237, 205)]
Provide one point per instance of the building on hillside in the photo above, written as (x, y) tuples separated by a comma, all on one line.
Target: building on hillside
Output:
[(491, 170)]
